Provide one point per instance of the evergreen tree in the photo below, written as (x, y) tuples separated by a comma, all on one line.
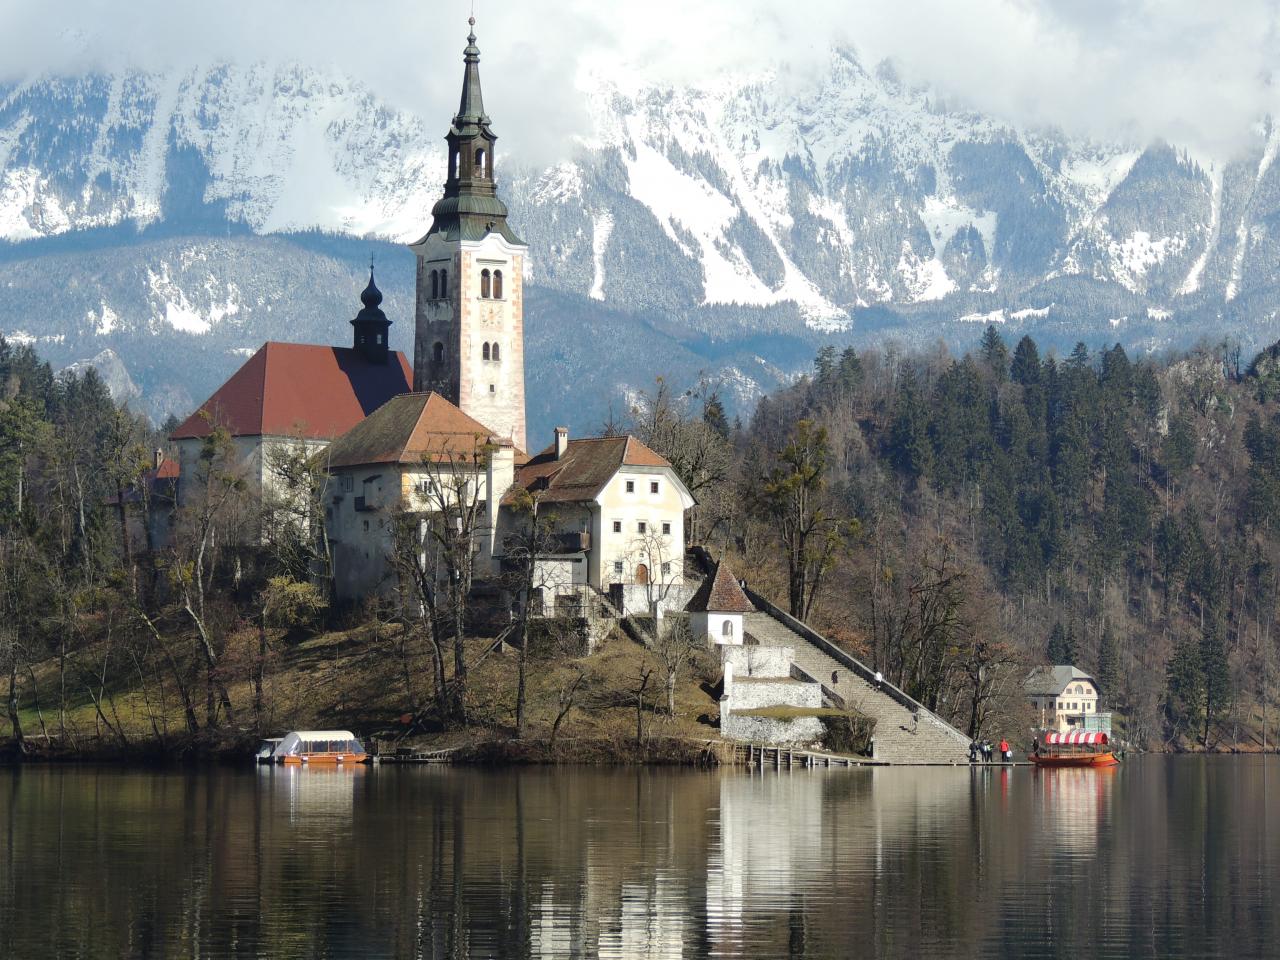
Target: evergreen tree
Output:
[(1026, 363), (1184, 688), (909, 449), (995, 353), (714, 417), (1059, 649), (1108, 667), (1217, 679)]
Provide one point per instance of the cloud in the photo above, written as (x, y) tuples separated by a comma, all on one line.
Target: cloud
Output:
[(1195, 73)]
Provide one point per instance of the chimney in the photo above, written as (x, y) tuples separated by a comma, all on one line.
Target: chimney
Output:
[(157, 458), (562, 441)]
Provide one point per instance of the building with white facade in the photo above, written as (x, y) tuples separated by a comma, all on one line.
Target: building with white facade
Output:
[(1064, 697)]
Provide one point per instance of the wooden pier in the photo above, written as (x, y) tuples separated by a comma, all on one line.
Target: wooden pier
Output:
[(417, 756), (764, 757)]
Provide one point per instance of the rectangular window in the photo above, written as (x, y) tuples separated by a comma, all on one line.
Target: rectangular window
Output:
[(666, 528), (641, 527), (617, 526), (617, 567), (653, 486), (631, 486), (666, 569), (347, 482)]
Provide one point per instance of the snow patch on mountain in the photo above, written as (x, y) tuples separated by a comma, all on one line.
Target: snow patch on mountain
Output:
[(994, 316), (944, 216), (925, 279), (601, 228), (1138, 253)]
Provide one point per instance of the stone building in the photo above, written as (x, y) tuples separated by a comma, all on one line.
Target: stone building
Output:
[(717, 608), (296, 393), (469, 344), (1064, 698), (619, 510), (406, 460)]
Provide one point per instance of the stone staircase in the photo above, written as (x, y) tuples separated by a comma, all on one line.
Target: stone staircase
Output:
[(905, 732)]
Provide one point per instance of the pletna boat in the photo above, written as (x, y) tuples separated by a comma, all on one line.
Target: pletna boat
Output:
[(1078, 748), (319, 746)]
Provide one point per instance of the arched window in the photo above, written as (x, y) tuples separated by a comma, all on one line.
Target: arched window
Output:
[(497, 284), (479, 172), (496, 355), (485, 352), (435, 284), (444, 283), (727, 629), (485, 288), (438, 352)]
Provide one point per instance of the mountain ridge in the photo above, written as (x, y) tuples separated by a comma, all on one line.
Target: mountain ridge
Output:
[(689, 222)]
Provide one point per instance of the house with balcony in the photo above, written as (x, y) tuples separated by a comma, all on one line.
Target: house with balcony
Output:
[(1065, 698), (617, 511)]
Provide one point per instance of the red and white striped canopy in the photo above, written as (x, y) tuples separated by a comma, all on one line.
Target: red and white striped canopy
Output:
[(1076, 736)]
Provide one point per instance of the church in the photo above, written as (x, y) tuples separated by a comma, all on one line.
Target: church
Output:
[(387, 427)]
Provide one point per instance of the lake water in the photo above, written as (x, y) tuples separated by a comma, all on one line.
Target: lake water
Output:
[(1163, 857)]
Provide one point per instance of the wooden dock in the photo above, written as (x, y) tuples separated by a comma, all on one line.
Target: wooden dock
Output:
[(417, 756), (764, 757)]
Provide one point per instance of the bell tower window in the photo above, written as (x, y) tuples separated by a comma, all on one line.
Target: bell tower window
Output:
[(497, 284), (437, 352), (485, 352), (495, 352), (486, 288), (480, 161), (444, 283), (435, 284)]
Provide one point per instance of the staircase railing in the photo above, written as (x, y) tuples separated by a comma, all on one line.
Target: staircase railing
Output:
[(850, 663)]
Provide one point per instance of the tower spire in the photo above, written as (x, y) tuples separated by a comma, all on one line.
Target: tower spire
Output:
[(371, 326), (471, 107)]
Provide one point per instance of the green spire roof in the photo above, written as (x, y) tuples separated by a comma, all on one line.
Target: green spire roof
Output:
[(470, 208), (471, 108)]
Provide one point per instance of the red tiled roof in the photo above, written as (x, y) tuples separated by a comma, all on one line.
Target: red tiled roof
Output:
[(584, 469), (720, 594), (410, 428), (161, 482), (300, 389)]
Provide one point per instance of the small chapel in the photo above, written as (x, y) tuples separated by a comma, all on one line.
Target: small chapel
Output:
[(387, 427)]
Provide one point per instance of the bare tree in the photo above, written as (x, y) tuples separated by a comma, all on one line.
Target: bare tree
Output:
[(212, 520), (674, 645), (436, 540)]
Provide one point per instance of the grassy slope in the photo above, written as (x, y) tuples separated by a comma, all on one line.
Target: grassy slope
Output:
[(356, 679)]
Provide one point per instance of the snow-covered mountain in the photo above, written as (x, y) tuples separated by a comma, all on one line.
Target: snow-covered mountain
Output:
[(727, 228)]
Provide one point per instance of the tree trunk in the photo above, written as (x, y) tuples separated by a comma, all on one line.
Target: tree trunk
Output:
[(15, 721)]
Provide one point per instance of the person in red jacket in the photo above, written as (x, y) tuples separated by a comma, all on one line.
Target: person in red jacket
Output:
[(1005, 753)]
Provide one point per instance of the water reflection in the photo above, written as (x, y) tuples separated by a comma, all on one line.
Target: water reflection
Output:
[(1159, 858)]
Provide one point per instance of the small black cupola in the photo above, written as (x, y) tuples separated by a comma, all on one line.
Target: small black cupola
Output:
[(371, 325)]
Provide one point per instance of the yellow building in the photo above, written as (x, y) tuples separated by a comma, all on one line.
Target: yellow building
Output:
[(1064, 697)]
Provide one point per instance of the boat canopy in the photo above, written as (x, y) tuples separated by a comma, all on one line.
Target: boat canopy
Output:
[(318, 741), (1053, 738)]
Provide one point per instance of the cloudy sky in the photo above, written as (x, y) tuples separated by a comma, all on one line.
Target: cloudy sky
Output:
[(1196, 72)]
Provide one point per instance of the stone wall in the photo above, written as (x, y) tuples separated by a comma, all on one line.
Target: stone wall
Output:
[(758, 661), (748, 693)]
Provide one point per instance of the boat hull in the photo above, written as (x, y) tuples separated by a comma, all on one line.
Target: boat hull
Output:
[(321, 758), (1107, 759)]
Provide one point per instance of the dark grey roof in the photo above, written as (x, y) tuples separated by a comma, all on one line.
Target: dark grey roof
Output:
[(1051, 681)]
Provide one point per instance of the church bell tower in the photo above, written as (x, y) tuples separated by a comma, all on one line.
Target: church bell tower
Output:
[(469, 333)]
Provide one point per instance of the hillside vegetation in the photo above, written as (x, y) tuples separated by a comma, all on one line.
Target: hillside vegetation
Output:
[(957, 520)]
